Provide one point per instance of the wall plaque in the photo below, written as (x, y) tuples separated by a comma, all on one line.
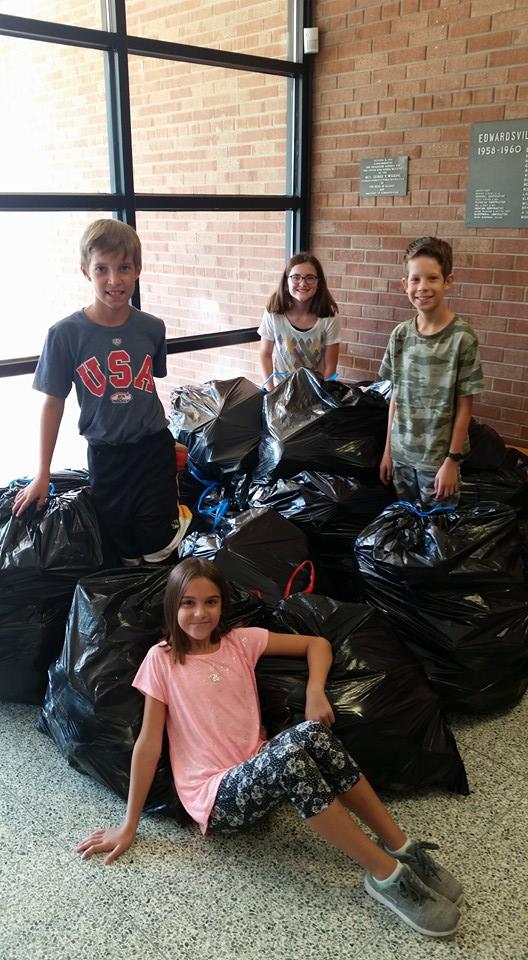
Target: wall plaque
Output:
[(497, 191), (383, 177)]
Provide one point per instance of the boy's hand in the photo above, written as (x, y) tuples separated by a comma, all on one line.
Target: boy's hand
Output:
[(37, 490), (318, 707), (447, 480), (386, 468), (116, 840)]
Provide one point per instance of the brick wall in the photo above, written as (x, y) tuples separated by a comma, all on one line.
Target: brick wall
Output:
[(410, 77)]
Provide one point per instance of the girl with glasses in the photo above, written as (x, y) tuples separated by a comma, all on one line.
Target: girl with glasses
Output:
[(299, 327)]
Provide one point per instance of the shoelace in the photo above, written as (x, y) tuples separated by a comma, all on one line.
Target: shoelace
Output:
[(411, 886), (424, 861)]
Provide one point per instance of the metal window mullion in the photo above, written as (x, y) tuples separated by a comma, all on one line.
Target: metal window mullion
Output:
[(119, 120), (299, 122)]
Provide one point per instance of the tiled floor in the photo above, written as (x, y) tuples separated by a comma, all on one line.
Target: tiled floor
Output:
[(275, 892)]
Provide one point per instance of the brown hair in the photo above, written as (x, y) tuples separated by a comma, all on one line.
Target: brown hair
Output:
[(179, 579), (322, 302), (110, 236), (439, 250)]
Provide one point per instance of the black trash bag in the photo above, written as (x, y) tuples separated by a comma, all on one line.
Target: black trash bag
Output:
[(308, 499), (42, 554), (316, 500), (258, 549), (327, 426), (31, 637), (334, 547), (516, 460), (189, 489), (386, 714), (69, 479), (458, 546), (91, 711), (331, 511), (63, 537), (487, 450), (246, 609), (219, 423), (472, 644), (507, 485), (383, 387)]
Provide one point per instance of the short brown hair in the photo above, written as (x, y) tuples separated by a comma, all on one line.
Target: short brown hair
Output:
[(439, 250), (322, 302), (110, 236), (179, 579)]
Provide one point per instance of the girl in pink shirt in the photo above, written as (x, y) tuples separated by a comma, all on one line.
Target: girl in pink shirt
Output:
[(200, 683)]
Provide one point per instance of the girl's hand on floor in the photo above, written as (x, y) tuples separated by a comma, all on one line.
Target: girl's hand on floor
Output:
[(318, 707), (116, 840)]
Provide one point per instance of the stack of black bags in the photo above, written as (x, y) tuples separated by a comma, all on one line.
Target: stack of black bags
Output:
[(423, 611)]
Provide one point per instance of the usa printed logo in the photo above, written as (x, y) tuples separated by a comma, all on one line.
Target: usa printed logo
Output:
[(120, 374)]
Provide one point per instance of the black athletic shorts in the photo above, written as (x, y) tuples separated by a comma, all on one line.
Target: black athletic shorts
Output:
[(136, 494)]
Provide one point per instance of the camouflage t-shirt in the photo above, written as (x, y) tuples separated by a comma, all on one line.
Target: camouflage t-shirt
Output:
[(429, 373)]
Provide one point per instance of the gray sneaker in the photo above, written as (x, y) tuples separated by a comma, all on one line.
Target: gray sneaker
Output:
[(432, 873), (417, 905)]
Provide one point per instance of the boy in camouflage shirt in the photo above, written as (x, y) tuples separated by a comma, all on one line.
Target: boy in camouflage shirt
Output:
[(433, 363)]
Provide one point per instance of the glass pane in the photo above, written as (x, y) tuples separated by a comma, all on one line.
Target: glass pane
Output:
[(207, 130), (45, 280), (53, 117), (259, 27), (204, 272), (19, 445), (78, 13)]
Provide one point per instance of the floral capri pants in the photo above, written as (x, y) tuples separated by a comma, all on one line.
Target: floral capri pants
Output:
[(306, 764)]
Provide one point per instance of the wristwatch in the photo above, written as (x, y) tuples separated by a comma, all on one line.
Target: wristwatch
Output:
[(457, 457)]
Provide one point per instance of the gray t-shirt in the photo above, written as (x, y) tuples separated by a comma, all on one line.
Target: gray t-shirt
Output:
[(112, 369), (298, 348), (429, 373)]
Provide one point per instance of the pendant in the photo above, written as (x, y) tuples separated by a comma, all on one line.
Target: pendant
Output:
[(214, 677)]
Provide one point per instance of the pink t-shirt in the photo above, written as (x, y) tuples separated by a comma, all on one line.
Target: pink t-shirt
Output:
[(213, 712)]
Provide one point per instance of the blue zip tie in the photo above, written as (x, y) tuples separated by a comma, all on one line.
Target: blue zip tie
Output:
[(421, 513)]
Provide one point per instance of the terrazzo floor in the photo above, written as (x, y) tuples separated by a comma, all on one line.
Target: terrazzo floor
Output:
[(275, 893)]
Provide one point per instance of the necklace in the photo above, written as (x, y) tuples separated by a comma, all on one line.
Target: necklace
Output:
[(214, 677)]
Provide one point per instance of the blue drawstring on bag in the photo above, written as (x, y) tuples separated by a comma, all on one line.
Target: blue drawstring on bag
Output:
[(275, 373), (218, 511), (221, 508), (421, 513)]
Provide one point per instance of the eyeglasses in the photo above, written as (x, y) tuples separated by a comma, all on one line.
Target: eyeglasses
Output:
[(309, 279)]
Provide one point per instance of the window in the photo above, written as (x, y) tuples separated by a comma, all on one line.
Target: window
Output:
[(190, 124)]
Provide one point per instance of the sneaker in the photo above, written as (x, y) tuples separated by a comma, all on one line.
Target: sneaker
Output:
[(417, 905), (430, 872)]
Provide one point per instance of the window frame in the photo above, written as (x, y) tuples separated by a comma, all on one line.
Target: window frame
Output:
[(122, 201)]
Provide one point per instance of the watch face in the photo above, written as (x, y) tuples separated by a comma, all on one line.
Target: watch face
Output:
[(457, 457)]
